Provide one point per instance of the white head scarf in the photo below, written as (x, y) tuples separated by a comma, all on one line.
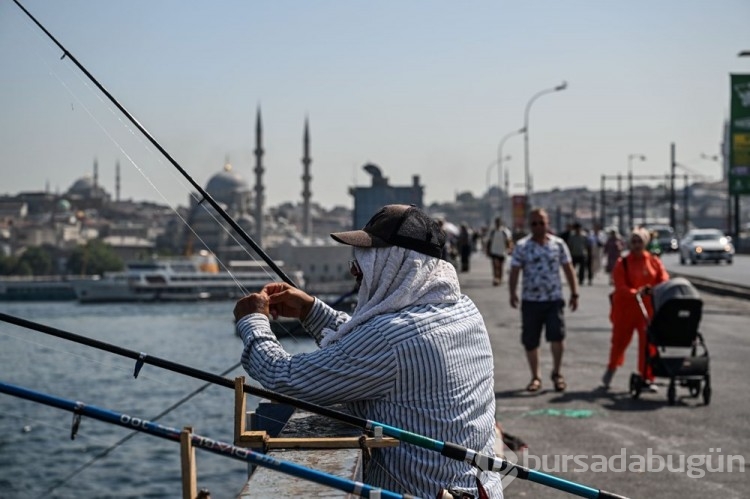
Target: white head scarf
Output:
[(395, 278)]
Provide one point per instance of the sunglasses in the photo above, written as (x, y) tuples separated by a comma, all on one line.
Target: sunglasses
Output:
[(354, 268), (537, 223)]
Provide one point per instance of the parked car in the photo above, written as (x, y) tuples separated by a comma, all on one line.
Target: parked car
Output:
[(666, 237), (702, 245)]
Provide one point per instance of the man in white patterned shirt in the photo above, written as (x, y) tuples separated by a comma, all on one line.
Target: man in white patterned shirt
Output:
[(415, 353), (540, 256)]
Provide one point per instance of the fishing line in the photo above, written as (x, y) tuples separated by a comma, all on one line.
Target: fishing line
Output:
[(171, 172), (130, 435), (447, 449), (59, 430), (217, 447), (206, 197), (117, 367), (140, 170), (476, 459), (84, 357)]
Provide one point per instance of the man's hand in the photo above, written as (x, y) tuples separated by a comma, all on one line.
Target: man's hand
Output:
[(514, 300), (288, 301), (256, 303), (573, 302)]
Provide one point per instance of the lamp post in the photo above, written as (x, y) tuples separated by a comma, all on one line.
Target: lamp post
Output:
[(686, 187), (527, 171), (631, 157), (500, 165), (728, 208)]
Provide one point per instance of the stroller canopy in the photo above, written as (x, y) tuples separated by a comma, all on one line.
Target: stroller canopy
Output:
[(679, 287)]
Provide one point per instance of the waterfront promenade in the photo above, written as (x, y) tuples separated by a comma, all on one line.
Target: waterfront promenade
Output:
[(587, 423)]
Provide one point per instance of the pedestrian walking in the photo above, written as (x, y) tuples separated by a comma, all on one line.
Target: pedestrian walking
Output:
[(540, 256), (578, 246), (499, 244), (464, 246), (635, 273), (613, 250)]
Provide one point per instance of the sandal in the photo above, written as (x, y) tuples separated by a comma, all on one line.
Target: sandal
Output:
[(559, 382), (535, 385)]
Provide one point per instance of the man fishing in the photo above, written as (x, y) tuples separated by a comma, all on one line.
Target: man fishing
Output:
[(415, 353)]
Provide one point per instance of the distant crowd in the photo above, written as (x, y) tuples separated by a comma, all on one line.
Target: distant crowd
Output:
[(590, 249)]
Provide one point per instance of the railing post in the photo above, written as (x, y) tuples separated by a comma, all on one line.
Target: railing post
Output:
[(187, 460)]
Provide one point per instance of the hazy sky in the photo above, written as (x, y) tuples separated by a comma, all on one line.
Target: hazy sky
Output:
[(419, 88)]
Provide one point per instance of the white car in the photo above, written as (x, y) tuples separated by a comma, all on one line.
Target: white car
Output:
[(702, 245)]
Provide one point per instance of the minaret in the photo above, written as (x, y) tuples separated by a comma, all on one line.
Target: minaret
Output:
[(306, 178), (117, 181), (96, 176), (259, 179)]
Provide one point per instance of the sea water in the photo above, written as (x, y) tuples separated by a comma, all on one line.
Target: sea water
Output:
[(36, 451)]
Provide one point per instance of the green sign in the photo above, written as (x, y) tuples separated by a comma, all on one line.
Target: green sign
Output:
[(739, 135)]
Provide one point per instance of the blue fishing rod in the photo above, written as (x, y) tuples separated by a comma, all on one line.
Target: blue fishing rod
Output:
[(215, 446), (205, 195), (450, 450)]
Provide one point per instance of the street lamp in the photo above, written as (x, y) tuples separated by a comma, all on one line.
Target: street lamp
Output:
[(500, 165), (631, 157), (716, 159), (527, 172)]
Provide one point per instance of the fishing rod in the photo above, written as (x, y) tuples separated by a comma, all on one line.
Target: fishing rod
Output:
[(130, 435), (215, 446), (206, 196), (450, 450)]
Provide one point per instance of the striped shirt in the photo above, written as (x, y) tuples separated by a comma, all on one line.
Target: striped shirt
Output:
[(427, 369)]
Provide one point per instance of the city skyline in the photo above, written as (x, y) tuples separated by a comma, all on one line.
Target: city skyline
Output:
[(427, 88)]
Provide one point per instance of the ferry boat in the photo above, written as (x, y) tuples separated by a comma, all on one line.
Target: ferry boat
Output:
[(179, 279), (36, 288)]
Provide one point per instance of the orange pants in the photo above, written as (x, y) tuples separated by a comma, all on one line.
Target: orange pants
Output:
[(622, 333)]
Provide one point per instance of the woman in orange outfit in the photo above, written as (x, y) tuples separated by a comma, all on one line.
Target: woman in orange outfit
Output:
[(640, 274)]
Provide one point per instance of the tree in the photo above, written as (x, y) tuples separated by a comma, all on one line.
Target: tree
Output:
[(8, 265), (37, 259), (93, 258)]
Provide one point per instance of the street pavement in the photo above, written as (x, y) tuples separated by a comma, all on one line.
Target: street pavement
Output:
[(595, 437)]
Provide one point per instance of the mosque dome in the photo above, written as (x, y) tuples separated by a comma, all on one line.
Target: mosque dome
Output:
[(225, 185), (246, 221), (84, 186), (63, 205)]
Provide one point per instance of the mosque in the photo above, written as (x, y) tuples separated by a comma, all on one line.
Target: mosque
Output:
[(322, 261), (206, 229)]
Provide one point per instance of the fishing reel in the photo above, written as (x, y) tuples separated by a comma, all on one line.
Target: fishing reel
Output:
[(454, 494)]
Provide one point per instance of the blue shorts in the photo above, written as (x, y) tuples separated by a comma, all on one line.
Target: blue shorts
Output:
[(538, 314)]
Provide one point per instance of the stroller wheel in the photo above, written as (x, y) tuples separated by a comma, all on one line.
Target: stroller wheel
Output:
[(707, 391), (636, 384), (695, 388), (671, 393)]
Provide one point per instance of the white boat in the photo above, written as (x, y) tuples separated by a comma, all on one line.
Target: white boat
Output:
[(179, 279)]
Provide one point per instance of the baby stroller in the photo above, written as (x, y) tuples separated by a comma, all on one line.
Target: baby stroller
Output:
[(677, 313)]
